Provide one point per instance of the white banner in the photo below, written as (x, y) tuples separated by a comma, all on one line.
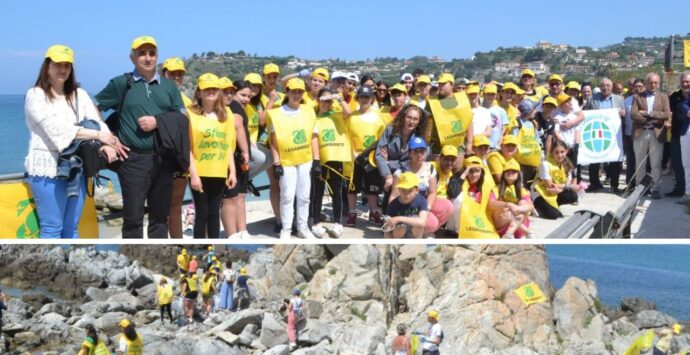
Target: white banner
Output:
[(602, 139)]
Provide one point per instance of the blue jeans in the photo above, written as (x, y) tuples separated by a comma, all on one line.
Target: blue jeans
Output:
[(58, 215), (226, 296)]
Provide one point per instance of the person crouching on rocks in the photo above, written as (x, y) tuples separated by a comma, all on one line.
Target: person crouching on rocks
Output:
[(165, 297), (131, 342), (296, 314), (92, 345)]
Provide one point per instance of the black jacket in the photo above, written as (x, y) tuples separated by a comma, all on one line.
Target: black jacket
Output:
[(675, 101), (171, 139)]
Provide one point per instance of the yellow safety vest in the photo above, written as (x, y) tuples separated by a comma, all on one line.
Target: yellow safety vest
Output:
[(509, 194), (206, 285), (212, 144), (512, 113), (193, 283), (353, 104), (442, 183), (134, 347), (417, 101), (385, 113), (528, 150), (252, 113), (310, 102), (293, 133), (451, 122), (364, 133), (474, 221), (334, 141), (96, 349), (186, 101), (183, 261), (165, 294), (558, 176), (496, 160), (278, 103)]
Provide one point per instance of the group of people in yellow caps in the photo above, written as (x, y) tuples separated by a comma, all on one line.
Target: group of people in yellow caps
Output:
[(475, 153)]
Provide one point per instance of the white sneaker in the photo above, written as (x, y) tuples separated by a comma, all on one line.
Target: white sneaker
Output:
[(293, 346), (531, 236), (336, 231), (234, 236), (318, 231), (305, 233), (285, 234), (244, 235)]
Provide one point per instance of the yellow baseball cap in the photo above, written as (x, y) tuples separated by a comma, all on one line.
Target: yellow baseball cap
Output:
[(555, 77), (320, 73), (511, 164), (433, 314), (509, 139), (60, 54), (398, 87), (424, 79), (407, 180), (243, 272), (184, 252), (527, 72), (480, 140), (562, 98), (254, 78), (225, 83), (174, 64), (473, 160), (271, 68), (125, 323), (210, 247), (449, 150), (208, 81), (510, 86), (142, 40), (472, 89), (572, 85), (490, 89), (193, 256), (446, 78), (295, 84), (677, 328), (550, 100)]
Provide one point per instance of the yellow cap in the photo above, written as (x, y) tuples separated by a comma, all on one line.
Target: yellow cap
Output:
[(60, 54), (424, 79), (243, 272), (183, 252), (271, 68), (295, 84), (562, 98), (142, 40), (527, 72), (677, 328), (320, 73), (556, 77), (174, 64), (226, 83), (446, 78), (509, 139), (398, 87), (472, 89), (511, 164), (472, 161), (510, 86), (210, 247), (407, 180), (572, 85), (550, 100), (449, 151), (473, 83), (480, 140), (124, 323), (254, 78), (208, 81), (433, 314), (519, 91), (193, 256), (490, 89)]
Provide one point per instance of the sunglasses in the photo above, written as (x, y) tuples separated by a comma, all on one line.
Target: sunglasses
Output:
[(556, 84)]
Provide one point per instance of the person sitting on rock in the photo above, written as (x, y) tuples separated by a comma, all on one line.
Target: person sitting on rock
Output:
[(401, 342), (131, 342), (165, 296), (296, 314), (407, 213), (92, 345)]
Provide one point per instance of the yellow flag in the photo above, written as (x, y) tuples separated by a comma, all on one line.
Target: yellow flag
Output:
[(642, 343), (686, 53), (530, 293)]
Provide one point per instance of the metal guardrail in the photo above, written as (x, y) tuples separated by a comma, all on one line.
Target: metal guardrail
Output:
[(586, 224)]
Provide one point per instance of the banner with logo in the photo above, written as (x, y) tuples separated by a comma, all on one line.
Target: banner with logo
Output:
[(19, 220), (602, 139), (530, 293), (686, 53)]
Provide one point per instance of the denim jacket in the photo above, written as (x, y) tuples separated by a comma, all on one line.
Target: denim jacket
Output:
[(69, 162), (397, 153)]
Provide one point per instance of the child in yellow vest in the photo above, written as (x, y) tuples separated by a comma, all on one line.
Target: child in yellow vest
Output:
[(291, 127), (555, 185), (512, 220), (212, 144)]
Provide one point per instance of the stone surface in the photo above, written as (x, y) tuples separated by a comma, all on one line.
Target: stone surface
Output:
[(273, 332), (653, 319)]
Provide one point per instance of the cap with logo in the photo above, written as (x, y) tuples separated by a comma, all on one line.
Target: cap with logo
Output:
[(226, 83), (509, 139), (60, 54), (416, 143), (271, 68), (142, 40), (449, 150), (446, 78), (549, 101), (254, 79), (480, 140), (208, 81), (174, 64), (572, 85), (527, 72), (365, 91), (295, 84), (352, 76), (407, 180)]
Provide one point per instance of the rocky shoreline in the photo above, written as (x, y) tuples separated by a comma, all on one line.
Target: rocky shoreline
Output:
[(355, 296)]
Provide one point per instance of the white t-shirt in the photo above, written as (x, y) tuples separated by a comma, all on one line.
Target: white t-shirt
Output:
[(569, 135), (288, 112), (433, 332), (229, 275), (425, 173), (481, 119)]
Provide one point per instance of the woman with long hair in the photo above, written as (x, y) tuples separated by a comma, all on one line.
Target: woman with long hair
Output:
[(92, 345), (555, 185), (382, 97), (56, 112), (164, 293), (512, 220), (208, 291), (131, 342), (212, 143)]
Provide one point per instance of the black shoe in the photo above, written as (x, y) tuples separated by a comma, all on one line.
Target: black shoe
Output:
[(252, 189), (277, 227), (656, 195), (675, 193), (615, 191), (595, 187)]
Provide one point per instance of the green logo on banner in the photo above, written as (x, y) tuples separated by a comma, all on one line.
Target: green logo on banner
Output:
[(368, 141), (299, 137), (529, 292), (455, 126), (329, 135), (29, 229), (597, 137)]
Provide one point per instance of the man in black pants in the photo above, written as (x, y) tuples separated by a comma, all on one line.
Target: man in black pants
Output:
[(143, 174)]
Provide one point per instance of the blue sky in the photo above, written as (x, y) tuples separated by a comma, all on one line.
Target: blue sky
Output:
[(100, 31)]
